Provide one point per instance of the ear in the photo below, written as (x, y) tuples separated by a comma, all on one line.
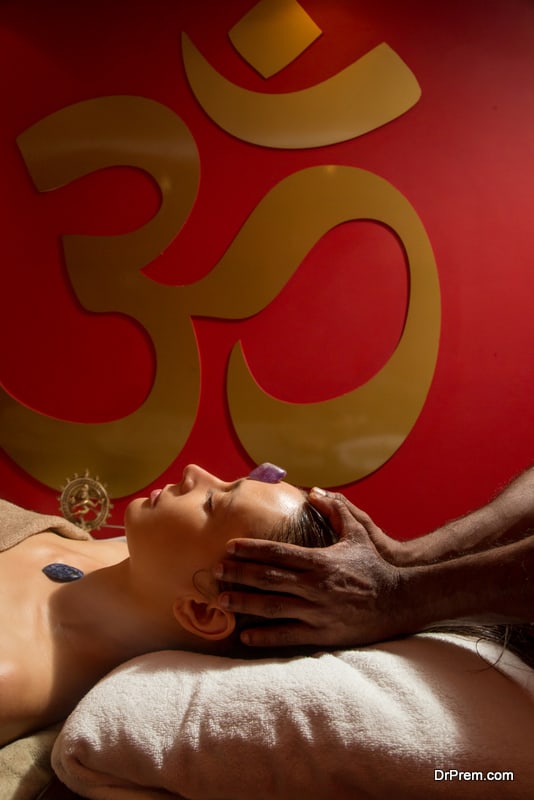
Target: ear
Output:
[(203, 618)]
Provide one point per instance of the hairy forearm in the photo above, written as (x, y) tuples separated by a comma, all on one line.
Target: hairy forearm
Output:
[(507, 518), (489, 587)]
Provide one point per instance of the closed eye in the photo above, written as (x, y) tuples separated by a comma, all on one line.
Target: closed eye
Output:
[(208, 502), (229, 490)]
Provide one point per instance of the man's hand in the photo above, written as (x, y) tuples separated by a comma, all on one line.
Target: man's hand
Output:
[(343, 595)]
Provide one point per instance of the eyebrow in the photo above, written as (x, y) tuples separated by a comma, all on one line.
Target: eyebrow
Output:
[(235, 487), (229, 492)]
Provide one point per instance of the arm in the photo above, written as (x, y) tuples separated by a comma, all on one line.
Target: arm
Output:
[(494, 586), (369, 587), (505, 519)]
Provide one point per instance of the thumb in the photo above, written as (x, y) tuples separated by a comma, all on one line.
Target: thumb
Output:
[(340, 514)]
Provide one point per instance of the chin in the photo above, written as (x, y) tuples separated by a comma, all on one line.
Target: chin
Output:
[(134, 508)]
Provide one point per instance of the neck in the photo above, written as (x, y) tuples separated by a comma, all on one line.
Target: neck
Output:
[(102, 621)]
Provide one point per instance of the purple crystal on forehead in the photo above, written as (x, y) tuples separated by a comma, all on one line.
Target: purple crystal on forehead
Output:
[(267, 473)]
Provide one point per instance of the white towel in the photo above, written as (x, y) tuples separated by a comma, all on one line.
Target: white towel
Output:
[(390, 720)]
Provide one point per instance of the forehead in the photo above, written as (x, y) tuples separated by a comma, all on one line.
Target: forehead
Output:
[(255, 502)]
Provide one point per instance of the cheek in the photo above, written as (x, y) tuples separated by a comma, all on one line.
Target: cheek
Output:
[(151, 527)]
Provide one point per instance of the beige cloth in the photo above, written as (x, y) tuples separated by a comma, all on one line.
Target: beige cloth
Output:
[(17, 524), (25, 764)]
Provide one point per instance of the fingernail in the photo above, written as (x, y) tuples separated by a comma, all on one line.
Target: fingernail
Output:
[(317, 491), (224, 601), (230, 548), (245, 638), (218, 571)]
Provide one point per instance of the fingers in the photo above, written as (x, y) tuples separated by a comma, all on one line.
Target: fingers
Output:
[(269, 606), (288, 556), (259, 576), (328, 501), (279, 636)]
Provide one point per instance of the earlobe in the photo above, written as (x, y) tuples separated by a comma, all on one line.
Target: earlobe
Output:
[(203, 618)]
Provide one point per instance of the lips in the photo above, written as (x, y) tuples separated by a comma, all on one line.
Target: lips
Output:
[(154, 496)]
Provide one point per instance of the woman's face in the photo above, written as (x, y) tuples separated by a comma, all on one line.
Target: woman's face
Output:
[(184, 527)]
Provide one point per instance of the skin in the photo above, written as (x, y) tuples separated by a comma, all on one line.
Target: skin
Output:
[(369, 587), (200, 515), (135, 598)]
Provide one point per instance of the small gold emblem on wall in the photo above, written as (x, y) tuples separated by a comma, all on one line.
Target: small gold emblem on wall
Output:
[(85, 502)]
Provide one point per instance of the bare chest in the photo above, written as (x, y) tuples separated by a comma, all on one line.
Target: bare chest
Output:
[(32, 653), (25, 590)]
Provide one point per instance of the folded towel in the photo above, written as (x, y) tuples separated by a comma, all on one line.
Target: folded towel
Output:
[(17, 524), (388, 720)]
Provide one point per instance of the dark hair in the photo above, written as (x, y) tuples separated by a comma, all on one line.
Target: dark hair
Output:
[(306, 528), (518, 639)]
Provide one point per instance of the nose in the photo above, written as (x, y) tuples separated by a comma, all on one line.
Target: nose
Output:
[(194, 476)]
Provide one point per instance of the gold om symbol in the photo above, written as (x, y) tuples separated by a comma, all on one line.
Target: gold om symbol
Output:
[(333, 442)]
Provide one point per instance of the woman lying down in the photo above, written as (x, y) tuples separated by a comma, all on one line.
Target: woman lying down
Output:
[(73, 610)]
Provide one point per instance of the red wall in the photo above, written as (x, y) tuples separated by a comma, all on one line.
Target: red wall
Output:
[(463, 156)]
